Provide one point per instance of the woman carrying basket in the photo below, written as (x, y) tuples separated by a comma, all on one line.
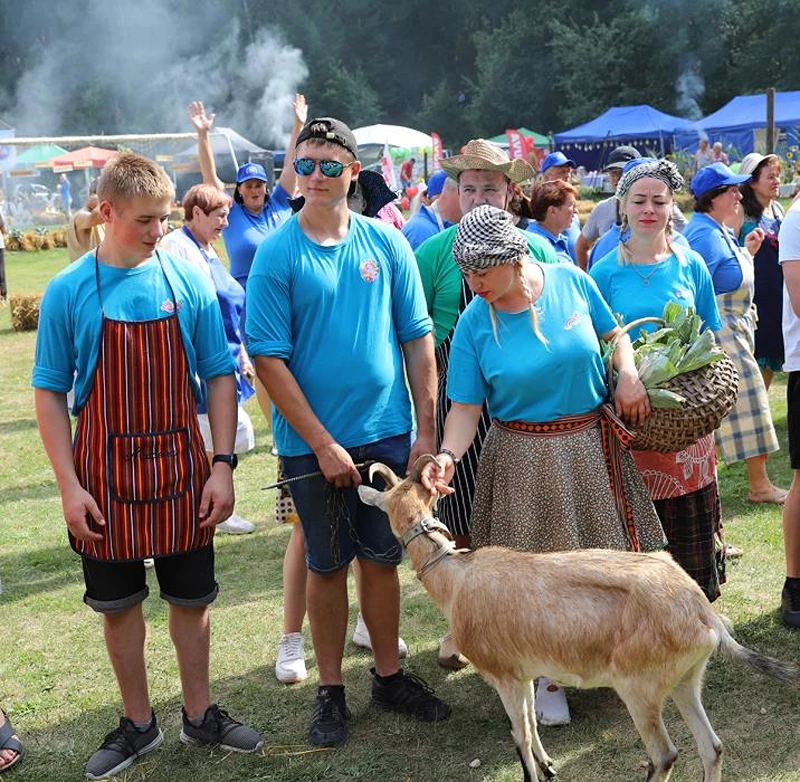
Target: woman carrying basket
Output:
[(637, 279), (554, 473), (747, 433)]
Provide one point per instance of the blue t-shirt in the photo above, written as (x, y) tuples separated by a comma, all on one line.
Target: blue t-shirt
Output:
[(422, 226), (521, 378), (71, 321), (338, 315), (559, 243), (573, 232), (718, 248), (246, 231), (682, 278), (610, 239)]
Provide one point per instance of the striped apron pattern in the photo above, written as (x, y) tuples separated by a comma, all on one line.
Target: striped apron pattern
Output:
[(747, 430), (454, 510), (138, 449)]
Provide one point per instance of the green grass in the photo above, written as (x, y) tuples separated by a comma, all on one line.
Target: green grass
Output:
[(56, 682)]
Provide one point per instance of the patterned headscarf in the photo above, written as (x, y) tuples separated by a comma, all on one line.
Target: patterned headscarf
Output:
[(663, 170), (486, 236)]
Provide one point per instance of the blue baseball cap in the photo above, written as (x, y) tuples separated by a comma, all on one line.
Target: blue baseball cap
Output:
[(436, 183), (556, 159), (637, 162), (714, 176), (251, 171)]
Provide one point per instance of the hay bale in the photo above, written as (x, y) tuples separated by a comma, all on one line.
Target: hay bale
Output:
[(24, 311)]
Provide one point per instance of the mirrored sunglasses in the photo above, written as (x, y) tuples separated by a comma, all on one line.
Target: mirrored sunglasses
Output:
[(305, 166)]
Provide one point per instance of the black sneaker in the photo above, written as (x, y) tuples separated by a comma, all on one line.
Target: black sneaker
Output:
[(790, 603), (219, 729), (121, 747), (329, 723), (408, 694)]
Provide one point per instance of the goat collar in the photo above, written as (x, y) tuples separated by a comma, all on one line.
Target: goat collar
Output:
[(426, 526)]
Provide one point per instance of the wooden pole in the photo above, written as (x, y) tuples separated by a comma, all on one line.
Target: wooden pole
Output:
[(770, 121)]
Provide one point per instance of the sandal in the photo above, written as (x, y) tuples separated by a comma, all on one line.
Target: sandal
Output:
[(8, 741), (774, 494)]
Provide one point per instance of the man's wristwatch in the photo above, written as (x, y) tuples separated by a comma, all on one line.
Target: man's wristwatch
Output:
[(231, 459)]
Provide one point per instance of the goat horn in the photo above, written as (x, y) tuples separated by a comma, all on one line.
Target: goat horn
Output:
[(385, 473), (416, 471)]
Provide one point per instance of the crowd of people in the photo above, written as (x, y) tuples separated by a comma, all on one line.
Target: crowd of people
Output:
[(472, 331)]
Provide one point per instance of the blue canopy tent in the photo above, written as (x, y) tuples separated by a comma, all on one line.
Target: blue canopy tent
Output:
[(647, 129), (737, 123)]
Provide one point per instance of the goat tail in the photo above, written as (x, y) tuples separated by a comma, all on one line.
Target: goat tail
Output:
[(731, 648)]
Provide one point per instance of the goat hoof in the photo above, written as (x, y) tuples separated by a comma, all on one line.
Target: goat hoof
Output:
[(547, 769), (455, 662)]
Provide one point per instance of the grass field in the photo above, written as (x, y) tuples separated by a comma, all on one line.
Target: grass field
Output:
[(56, 682)]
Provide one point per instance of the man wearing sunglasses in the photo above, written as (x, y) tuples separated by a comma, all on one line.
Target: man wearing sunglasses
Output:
[(336, 319)]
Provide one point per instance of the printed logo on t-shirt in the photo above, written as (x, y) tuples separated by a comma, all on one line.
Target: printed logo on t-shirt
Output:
[(169, 306), (369, 270), (572, 320)]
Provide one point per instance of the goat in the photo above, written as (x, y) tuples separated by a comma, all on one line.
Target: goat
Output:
[(593, 618)]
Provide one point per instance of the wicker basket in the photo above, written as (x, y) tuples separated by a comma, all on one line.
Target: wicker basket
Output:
[(710, 393)]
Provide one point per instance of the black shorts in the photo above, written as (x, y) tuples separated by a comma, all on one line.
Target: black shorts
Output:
[(185, 580), (793, 418)]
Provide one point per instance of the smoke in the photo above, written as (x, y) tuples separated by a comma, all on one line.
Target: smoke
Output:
[(690, 88), (118, 68)]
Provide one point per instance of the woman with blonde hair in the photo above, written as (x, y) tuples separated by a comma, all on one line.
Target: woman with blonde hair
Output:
[(647, 270), (554, 473)]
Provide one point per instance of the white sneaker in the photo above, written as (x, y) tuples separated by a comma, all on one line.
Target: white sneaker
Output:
[(290, 667), (236, 525), (551, 704), (361, 638)]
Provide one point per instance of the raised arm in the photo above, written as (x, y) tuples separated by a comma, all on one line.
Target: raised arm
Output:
[(202, 124), (288, 178)]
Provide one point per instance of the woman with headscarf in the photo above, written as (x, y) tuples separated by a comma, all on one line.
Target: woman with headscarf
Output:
[(747, 433), (647, 270), (761, 209), (554, 473)]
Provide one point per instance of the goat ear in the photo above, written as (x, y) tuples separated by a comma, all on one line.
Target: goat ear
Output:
[(385, 473), (370, 496), (416, 471)]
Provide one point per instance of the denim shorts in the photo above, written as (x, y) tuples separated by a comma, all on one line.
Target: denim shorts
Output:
[(337, 526), (184, 580)]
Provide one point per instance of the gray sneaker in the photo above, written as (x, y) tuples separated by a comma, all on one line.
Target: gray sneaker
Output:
[(219, 729), (122, 747)]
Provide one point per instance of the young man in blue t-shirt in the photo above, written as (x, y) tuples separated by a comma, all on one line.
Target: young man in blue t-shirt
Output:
[(135, 327), (336, 318)]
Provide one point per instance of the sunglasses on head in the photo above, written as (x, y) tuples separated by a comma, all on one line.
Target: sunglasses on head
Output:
[(305, 166)]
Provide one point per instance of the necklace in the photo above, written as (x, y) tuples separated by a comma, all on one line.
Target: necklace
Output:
[(645, 278)]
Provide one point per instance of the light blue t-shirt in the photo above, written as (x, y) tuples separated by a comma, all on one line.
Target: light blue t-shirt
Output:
[(684, 280), (338, 315), (423, 225), (718, 248), (610, 239), (560, 243), (70, 319), (521, 378), (246, 231)]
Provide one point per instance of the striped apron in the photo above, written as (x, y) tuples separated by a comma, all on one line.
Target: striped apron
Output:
[(454, 510), (138, 449), (747, 430)]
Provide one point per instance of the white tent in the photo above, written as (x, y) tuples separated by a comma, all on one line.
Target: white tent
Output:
[(393, 135)]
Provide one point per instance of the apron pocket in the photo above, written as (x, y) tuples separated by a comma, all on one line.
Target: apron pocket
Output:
[(149, 466)]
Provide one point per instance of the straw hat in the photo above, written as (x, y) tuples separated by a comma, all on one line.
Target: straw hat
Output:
[(482, 155)]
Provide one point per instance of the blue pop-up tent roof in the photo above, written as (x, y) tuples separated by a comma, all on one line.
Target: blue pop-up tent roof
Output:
[(649, 130), (734, 124)]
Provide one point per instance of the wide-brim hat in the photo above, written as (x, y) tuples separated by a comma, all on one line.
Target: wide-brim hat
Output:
[(752, 161), (481, 155)]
